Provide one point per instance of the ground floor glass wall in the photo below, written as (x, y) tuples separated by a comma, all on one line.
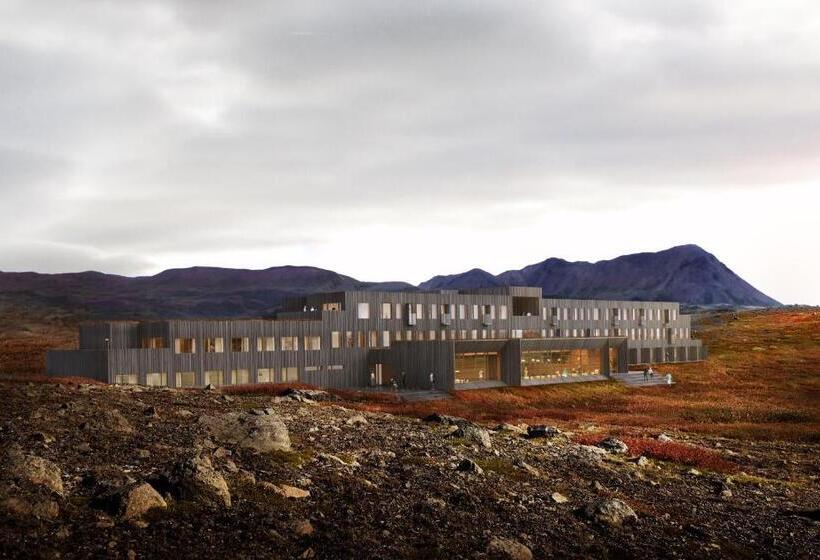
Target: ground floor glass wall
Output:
[(477, 366), (551, 364)]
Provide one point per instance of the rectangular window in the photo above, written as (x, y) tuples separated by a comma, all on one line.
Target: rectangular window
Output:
[(386, 339), (184, 346), (153, 342), (264, 344), (335, 367), (475, 312), (596, 314), (186, 378), (240, 344), (313, 343), (312, 369), (240, 376), (126, 379), (408, 335), (290, 374), (397, 336), (374, 339), (462, 311), (474, 334), (213, 345), (387, 310), (419, 311), (443, 334), (364, 310), (265, 375), (433, 311), (332, 306), (566, 312), (398, 311), (349, 339), (431, 335), (157, 379), (362, 339), (290, 343), (335, 339), (502, 312), (215, 377)]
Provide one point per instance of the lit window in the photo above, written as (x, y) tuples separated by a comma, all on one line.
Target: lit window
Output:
[(213, 345), (153, 342), (387, 309), (265, 344), (374, 339), (502, 312), (240, 344), (433, 310), (475, 312), (362, 336), (157, 379), (335, 339), (184, 345), (313, 343), (240, 376), (215, 377), (462, 311), (290, 374), (419, 311), (349, 339), (398, 311), (431, 335), (264, 375), (474, 333), (126, 379), (385, 338), (186, 378), (335, 367), (364, 310), (290, 343)]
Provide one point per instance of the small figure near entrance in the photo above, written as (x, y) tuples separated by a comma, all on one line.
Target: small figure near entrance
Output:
[(432, 381), (372, 379), (668, 378), (646, 374), (651, 372), (404, 380), (394, 385)]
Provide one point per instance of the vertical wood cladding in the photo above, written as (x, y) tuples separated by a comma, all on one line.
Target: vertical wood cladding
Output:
[(518, 318)]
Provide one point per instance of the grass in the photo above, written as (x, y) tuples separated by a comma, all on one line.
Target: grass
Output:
[(740, 392)]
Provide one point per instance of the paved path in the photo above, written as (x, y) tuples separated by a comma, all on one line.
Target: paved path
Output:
[(635, 379)]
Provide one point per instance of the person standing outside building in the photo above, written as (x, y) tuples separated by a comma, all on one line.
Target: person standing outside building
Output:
[(432, 381)]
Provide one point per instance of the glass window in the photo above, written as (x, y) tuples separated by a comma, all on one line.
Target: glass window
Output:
[(374, 339), (408, 335), (362, 336), (462, 311), (184, 345), (387, 309), (475, 311), (364, 310), (431, 335), (290, 343), (213, 345), (419, 311), (332, 306), (240, 376), (290, 374), (433, 311), (397, 336), (156, 379), (474, 334), (186, 378), (335, 367), (398, 311), (502, 312), (349, 339), (215, 377), (240, 344), (153, 342), (264, 344), (335, 339), (313, 343), (385, 338), (126, 379), (264, 375)]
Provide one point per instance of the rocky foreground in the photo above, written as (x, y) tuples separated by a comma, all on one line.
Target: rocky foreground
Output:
[(106, 472)]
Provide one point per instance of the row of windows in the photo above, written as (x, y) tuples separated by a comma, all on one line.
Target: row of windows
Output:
[(382, 339), (417, 310), (596, 313), (218, 378)]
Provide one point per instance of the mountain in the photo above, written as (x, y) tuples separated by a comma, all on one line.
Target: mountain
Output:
[(687, 274)]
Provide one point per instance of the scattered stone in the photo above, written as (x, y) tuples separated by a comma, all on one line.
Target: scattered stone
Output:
[(210, 387), (614, 512), (357, 420), (474, 433), (133, 502), (245, 477), (614, 446), (598, 487), (143, 454), (303, 528), (526, 467), (507, 549), (108, 421), (260, 433), (542, 431), (559, 498), (20, 509), (35, 470), (512, 428), (445, 419), (693, 472), (151, 412), (183, 413), (336, 459), (196, 480), (436, 503), (42, 437), (468, 465), (664, 438), (285, 490), (308, 395), (642, 461), (588, 454)]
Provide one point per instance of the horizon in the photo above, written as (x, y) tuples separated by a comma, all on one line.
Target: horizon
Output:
[(405, 142)]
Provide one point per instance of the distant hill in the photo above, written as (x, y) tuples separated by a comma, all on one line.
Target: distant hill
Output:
[(687, 274)]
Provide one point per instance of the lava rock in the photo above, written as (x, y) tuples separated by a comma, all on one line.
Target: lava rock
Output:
[(614, 513), (260, 433), (507, 549), (614, 446)]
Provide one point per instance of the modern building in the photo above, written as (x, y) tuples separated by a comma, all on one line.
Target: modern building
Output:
[(468, 338)]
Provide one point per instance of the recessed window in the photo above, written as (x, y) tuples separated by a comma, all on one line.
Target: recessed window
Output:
[(186, 378), (215, 377), (290, 374), (264, 375), (361, 339), (398, 311), (364, 310), (154, 342), (387, 310), (240, 376), (335, 339), (211, 345), (265, 344), (156, 379), (184, 345), (502, 312), (386, 338), (240, 344), (332, 306), (290, 343), (126, 379), (349, 341), (374, 339), (313, 343)]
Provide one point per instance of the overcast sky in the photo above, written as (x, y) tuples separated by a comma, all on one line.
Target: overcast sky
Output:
[(398, 140)]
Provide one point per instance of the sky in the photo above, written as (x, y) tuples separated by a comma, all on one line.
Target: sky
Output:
[(400, 140)]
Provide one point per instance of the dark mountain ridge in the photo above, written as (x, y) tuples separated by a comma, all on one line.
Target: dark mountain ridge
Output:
[(687, 274)]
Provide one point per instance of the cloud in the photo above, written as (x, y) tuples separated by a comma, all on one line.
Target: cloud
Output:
[(284, 130)]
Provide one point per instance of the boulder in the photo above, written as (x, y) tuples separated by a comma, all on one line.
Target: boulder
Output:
[(259, 433), (614, 446), (473, 433), (35, 470), (308, 395), (542, 431), (507, 549), (664, 438), (303, 528), (559, 498), (285, 490), (130, 502), (512, 428), (196, 480), (468, 465), (108, 421), (22, 510), (445, 419), (613, 513), (588, 454), (357, 420)]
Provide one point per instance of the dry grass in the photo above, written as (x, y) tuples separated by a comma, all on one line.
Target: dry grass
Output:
[(762, 381)]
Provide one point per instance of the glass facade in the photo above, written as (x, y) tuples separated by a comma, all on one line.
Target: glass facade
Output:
[(551, 364), (477, 366)]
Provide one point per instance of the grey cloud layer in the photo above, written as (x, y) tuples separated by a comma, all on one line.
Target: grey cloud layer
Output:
[(124, 124)]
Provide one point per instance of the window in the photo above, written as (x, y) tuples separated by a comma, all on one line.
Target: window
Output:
[(483, 333), (126, 379), (419, 311), (362, 339), (313, 343), (186, 378), (475, 312), (364, 310), (397, 336), (433, 311), (431, 335), (574, 313), (408, 335), (264, 375), (332, 306), (387, 310), (596, 314), (502, 312), (398, 311), (463, 334), (386, 338), (240, 376), (443, 334), (566, 313), (184, 345), (153, 342), (213, 345), (215, 377), (516, 333), (335, 367), (335, 339), (290, 343), (349, 339), (240, 344), (312, 369), (265, 344), (290, 374), (374, 339), (158, 379)]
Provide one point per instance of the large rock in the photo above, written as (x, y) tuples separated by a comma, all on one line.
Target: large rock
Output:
[(251, 431), (108, 421), (542, 431), (474, 433), (285, 490), (131, 502), (615, 446), (507, 549), (587, 454), (468, 465), (614, 513), (22, 510), (35, 470), (196, 480)]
